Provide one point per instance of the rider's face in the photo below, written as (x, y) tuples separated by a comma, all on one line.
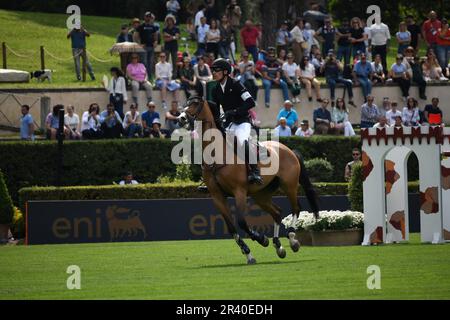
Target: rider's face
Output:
[(218, 75)]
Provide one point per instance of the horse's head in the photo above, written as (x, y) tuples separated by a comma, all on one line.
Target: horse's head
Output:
[(191, 112)]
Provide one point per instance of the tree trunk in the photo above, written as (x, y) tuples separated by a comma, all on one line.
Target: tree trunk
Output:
[(269, 22)]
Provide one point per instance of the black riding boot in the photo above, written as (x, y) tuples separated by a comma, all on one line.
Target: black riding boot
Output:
[(254, 176)]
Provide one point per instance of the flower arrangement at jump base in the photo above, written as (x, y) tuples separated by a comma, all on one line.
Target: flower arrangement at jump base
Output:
[(333, 228)]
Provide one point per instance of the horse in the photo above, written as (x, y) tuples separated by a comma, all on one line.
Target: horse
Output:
[(231, 180)]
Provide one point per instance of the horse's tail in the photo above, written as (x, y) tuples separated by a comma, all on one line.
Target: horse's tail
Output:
[(310, 193)]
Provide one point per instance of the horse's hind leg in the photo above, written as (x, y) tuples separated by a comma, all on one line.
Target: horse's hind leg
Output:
[(291, 193)]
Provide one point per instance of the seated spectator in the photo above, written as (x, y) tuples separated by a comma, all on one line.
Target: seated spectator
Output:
[(291, 73), (52, 123), (382, 123), (247, 73), (304, 130), (283, 130), (164, 82), (403, 38), (128, 179), (137, 73), (90, 123), (308, 78), (124, 35), (417, 76), (339, 117), (187, 77), (333, 72), (399, 74), (289, 114), (117, 89), (322, 118), (203, 75), (385, 107), (271, 72), (26, 124), (281, 57), (369, 113), (318, 62), (410, 114), (111, 123), (155, 131), (132, 123), (362, 71), (148, 117), (431, 68), (392, 114), (398, 123), (72, 123), (432, 113), (378, 75), (356, 154), (172, 118)]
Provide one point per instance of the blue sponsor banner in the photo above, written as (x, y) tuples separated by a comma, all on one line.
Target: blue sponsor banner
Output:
[(56, 222)]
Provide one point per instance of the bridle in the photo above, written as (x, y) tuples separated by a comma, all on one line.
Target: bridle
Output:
[(188, 118)]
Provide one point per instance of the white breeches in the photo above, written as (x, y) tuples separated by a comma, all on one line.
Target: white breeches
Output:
[(240, 131)]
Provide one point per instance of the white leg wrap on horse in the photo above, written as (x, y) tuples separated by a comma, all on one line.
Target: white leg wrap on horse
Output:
[(276, 230), (294, 220)]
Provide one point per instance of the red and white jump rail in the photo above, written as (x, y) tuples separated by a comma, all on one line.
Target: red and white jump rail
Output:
[(385, 155)]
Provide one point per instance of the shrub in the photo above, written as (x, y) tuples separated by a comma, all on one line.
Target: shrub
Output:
[(355, 188), (18, 224), (329, 220), (319, 170), (6, 205)]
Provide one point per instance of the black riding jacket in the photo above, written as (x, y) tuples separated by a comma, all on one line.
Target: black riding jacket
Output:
[(236, 97)]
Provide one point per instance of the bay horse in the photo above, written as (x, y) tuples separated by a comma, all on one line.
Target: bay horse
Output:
[(231, 180)]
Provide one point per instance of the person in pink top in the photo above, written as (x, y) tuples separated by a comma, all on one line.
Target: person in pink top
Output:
[(137, 73), (430, 30), (249, 38)]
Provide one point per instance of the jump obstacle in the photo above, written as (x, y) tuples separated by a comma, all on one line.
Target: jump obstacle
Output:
[(385, 154)]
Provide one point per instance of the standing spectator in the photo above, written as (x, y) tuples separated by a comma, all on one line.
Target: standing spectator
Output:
[(72, 123), (363, 73), (148, 117), (332, 70), (124, 35), (379, 37), (282, 130), (249, 39), (432, 113), (78, 37), (392, 114), (403, 38), (171, 36), (133, 32), (410, 114), (304, 130), (308, 78), (226, 38), (234, 14), (173, 6), (356, 154), (282, 38), (203, 75), (418, 77), (90, 123), (327, 33), (339, 118), (366, 41), (137, 73), (211, 12), (117, 89), (132, 123), (415, 32), (370, 114), (163, 74), (202, 31), (111, 123), (128, 180), (187, 77), (52, 123), (271, 72), (378, 75), (430, 30), (400, 75), (298, 42), (247, 72), (148, 33), (431, 68), (443, 46), (344, 44), (308, 36), (322, 118), (291, 74), (213, 39), (199, 15), (357, 37), (172, 118), (289, 114), (26, 124)]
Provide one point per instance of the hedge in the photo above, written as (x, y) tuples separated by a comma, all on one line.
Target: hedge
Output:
[(103, 162), (6, 204)]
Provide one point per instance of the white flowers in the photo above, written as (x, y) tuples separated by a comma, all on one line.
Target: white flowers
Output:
[(329, 220)]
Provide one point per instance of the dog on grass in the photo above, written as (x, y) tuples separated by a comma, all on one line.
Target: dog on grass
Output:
[(42, 75)]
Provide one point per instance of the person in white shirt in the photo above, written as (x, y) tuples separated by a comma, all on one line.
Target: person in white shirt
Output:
[(117, 89), (199, 15), (379, 37), (163, 73), (308, 78), (283, 130), (202, 30), (392, 114), (298, 40), (291, 73), (90, 123), (72, 122), (410, 114), (132, 123), (304, 130), (382, 123), (128, 180)]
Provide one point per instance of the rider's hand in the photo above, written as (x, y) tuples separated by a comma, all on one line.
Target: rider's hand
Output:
[(231, 113)]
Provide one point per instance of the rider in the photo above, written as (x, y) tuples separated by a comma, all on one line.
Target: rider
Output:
[(236, 102)]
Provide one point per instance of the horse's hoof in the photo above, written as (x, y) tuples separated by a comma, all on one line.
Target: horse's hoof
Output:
[(251, 261), (266, 242), (281, 252), (295, 245)]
